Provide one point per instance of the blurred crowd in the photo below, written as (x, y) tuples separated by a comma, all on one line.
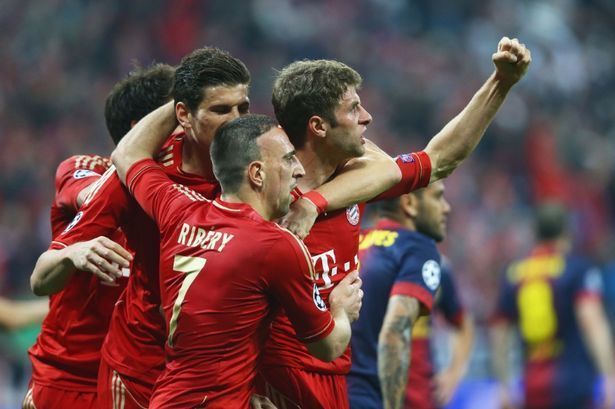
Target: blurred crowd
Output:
[(421, 61)]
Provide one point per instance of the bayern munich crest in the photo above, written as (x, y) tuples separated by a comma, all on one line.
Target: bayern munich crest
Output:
[(352, 214)]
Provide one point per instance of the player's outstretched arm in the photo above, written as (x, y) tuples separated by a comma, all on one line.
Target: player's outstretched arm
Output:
[(460, 136), (394, 346), (345, 301), (101, 256), (448, 380), (18, 314), (144, 140), (358, 181)]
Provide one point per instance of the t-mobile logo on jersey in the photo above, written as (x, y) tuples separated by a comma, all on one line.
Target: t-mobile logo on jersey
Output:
[(326, 266)]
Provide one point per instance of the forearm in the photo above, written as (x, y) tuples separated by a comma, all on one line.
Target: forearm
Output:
[(51, 273), (144, 139), (334, 344), (394, 349), (597, 336), (361, 179), (18, 314), (499, 341), (462, 346), (460, 136)]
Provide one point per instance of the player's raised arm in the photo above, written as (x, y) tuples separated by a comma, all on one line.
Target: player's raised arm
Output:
[(144, 139), (459, 137)]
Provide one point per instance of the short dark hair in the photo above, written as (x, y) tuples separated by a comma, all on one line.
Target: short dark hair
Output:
[(142, 91), (551, 221), (235, 146), (310, 87), (203, 68)]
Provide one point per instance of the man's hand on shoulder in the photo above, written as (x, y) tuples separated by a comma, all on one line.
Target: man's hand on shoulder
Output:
[(300, 218)]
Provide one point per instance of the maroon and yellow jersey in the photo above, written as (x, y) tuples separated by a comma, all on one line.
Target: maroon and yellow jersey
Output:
[(334, 245), (137, 328), (224, 271), (67, 351)]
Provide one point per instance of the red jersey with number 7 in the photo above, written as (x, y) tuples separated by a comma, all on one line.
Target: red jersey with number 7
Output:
[(224, 271)]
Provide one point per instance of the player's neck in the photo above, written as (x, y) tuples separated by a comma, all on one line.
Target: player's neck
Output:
[(252, 199), (195, 161), (319, 166)]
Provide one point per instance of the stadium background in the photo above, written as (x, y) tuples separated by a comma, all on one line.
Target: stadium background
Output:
[(421, 61)]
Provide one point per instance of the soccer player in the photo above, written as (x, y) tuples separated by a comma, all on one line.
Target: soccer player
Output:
[(225, 266), (317, 104), (554, 299), (210, 88), (66, 355), (401, 269)]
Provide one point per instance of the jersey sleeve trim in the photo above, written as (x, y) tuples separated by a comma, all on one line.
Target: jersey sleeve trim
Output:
[(136, 170), (587, 295), (457, 319), (320, 334), (414, 291), (57, 245)]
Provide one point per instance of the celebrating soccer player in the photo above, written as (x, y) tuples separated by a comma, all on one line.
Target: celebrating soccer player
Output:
[(66, 355), (318, 105), (225, 267)]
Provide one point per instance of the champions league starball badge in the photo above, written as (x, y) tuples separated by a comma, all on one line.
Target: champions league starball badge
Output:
[(318, 301), (352, 214), (431, 274)]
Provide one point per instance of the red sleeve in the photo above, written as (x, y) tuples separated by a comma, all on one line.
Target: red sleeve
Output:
[(415, 174), (292, 284), (104, 210), (161, 198), (75, 174), (415, 291)]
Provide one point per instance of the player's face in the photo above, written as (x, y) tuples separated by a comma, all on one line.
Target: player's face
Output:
[(346, 137), (282, 170), (220, 104), (433, 211)]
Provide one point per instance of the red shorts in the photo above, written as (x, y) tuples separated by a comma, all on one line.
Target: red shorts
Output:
[(45, 397), (120, 392), (292, 388)]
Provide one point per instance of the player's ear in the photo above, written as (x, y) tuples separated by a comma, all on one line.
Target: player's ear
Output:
[(256, 174), (317, 126), (183, 114), (409, 204)]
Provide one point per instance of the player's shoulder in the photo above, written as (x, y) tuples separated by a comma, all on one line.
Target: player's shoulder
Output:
[(414, 241), (108, 188), (84, 165), (285, 241)]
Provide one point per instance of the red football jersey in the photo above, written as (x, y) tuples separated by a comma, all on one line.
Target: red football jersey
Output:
[(137, 328), (67, 351), (224, 271), (333, 243)]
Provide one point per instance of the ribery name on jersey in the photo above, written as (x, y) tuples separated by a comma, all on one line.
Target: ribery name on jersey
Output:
[(193, 236)]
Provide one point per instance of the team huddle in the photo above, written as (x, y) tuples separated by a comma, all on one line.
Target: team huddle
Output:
[(213, 260)]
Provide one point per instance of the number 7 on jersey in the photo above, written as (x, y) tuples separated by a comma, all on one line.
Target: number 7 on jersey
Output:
[(191, 266)]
